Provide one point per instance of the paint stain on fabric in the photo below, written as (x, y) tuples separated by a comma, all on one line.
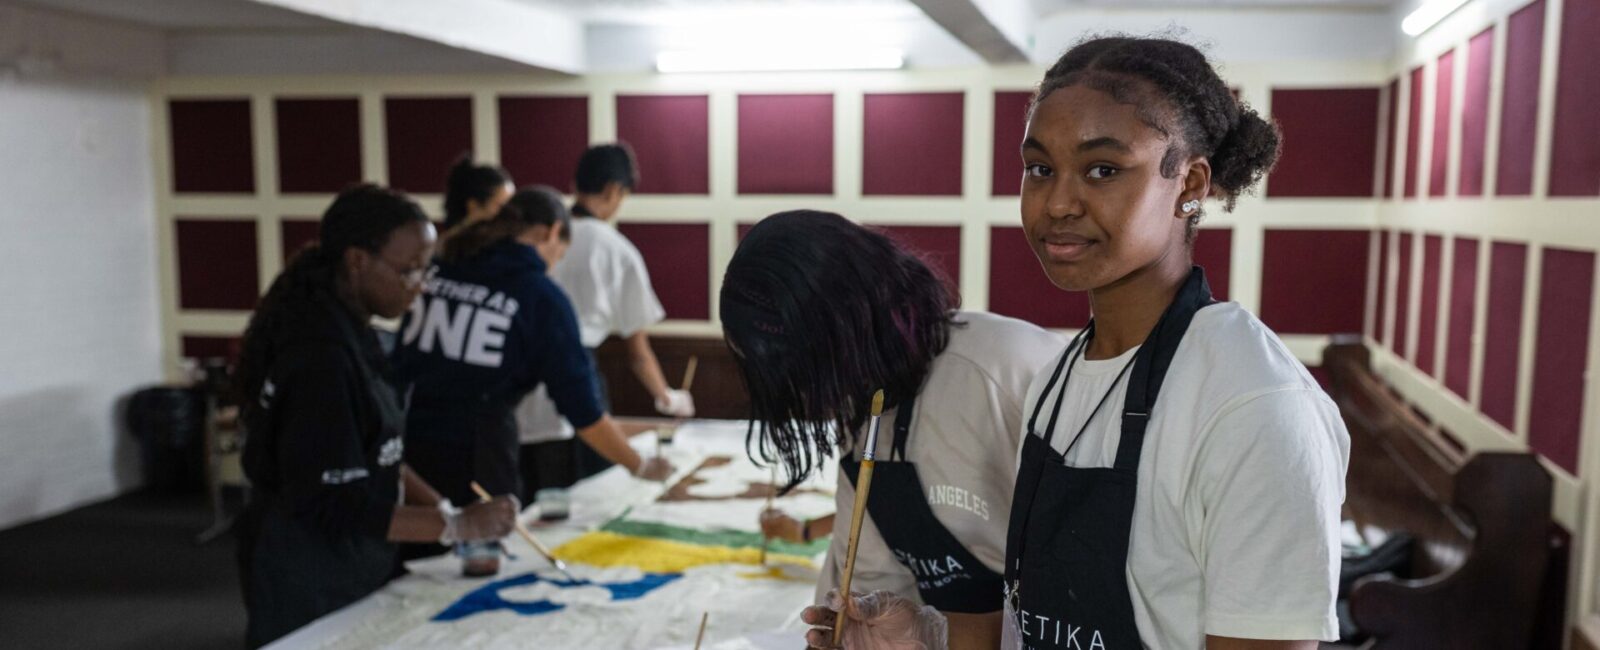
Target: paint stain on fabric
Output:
[(771, 573), (730, 538), (488, 598), (607, 549)]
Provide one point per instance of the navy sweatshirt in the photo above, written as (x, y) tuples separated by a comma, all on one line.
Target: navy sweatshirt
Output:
[(484, 333)]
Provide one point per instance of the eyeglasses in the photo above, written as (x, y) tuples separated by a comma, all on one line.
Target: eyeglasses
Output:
[(412, 278)]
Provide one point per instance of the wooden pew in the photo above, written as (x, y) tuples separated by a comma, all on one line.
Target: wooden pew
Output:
[(1481, 566)]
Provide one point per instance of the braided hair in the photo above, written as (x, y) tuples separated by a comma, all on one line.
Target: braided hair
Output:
[(821, 313), (361, 217), (1177, 92)]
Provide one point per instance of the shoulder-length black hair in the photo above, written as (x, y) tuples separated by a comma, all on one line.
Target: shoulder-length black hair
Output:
[(820, 313)]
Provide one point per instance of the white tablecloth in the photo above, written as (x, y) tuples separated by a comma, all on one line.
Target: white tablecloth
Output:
[(745, 613)]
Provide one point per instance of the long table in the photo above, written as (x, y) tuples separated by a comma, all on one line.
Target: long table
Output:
[(614, 605)]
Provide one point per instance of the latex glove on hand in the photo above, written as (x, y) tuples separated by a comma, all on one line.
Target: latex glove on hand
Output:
[(675, 403), (880, 620), (487, 520), (654, 468), (777, 525)]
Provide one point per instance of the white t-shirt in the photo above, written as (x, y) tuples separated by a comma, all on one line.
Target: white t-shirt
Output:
[(605, 277), (964, 439), (1236, 524)]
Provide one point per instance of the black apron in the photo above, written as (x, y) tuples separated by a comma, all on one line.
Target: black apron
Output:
[(948, 576), (1075, 559)]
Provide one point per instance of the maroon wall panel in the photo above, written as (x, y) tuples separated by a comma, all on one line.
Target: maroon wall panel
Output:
[(319, 144), (1502, 332), (296, 233), (212, 149), (912, 144), (1565, 295), (1382, 311), (1389, 160), (1475, 114), (209, 347), (938, 246), (1519, 101), (1402, 296), (1019, 288), (541, 138), (1443, 100), (1428, 304), (425, 135), (1213, 251), (670, 135), (1010, 126), (786, 144), (1463, 303), (1414, 134), (1330, 140), (1314, 281), (1575, 147), (679, 258), (217, 264)]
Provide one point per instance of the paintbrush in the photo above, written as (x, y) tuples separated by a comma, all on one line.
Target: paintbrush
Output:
[(858, 514), (483, 495), (665, 432), (702, 635), (772, 491)]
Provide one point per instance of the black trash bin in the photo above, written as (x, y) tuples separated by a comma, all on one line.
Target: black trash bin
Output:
[(169, 423)]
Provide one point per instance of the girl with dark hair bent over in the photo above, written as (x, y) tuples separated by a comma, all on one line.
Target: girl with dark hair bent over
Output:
[(488, 328), (821, 313), (1181, 475), (331, 495)]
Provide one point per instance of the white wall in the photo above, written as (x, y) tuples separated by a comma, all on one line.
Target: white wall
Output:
[(78, 257)]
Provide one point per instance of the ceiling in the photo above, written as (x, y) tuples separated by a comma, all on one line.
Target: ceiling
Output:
[(189, 14)]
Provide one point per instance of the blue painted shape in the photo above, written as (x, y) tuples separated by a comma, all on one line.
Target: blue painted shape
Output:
[(487, 598)]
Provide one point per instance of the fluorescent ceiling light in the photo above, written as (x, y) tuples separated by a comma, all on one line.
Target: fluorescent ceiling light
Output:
[(755, 60), (1428, 15)]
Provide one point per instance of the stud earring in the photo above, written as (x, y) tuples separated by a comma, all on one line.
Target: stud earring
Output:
[(1191, 206)]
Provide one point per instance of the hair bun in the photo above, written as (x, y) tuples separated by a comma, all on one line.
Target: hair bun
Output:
[(1246, 154)]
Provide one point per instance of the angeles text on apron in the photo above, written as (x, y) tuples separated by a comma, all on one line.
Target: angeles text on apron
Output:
[(948, 576), (1075, 559)]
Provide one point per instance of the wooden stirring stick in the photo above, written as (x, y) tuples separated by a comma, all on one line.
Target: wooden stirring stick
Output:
[(483, 495), (702, 635), (863, 486)]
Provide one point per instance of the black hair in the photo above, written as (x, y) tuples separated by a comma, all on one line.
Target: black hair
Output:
[(1189, 101), (604, 164), (821, 313), (534, 205), (468, 181), (361, 217)]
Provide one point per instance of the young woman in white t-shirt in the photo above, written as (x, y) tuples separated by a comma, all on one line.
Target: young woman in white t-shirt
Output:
[(820, 313), (1207, 518)]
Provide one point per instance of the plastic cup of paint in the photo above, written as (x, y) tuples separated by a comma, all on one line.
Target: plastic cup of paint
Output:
[(479, 559), (554, 504)]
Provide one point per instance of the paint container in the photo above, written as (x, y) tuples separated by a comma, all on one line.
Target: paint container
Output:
[(554, 504), (479, 559)]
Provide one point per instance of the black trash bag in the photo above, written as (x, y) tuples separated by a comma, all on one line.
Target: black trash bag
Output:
[(169, 423)]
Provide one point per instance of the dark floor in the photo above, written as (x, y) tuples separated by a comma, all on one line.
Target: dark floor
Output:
[(125, 573)]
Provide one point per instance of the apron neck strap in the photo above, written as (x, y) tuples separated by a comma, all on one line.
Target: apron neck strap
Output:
[(1152, 362), (902, 428)]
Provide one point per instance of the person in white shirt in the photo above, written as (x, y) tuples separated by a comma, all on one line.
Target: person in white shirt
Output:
[(606, 279), (1207, 518), (820, 313)]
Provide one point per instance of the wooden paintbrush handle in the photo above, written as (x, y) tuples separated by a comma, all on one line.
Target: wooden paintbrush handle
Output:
[(857, 516)]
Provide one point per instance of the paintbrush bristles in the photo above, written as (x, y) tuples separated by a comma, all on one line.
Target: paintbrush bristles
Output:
[(877, 403)]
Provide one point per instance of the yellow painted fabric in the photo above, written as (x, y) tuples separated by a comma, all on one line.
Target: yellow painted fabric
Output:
[(606, 549)]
